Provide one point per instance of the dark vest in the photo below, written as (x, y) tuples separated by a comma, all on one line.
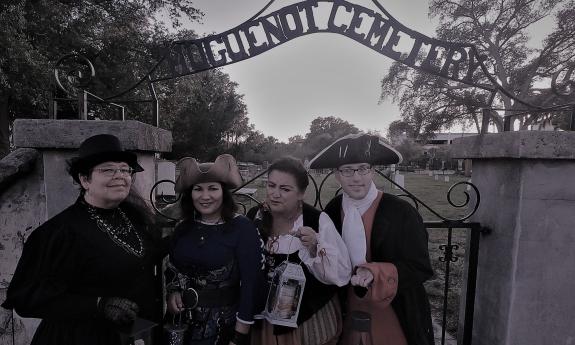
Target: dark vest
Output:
[(316, 294)]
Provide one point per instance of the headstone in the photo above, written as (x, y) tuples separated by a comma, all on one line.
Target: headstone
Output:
[(166, 171), (436, 177), (400, 180), (446, 178)]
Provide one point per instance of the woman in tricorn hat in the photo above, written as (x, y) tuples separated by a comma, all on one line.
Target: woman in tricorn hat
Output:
[(215, 269), (88, 272)]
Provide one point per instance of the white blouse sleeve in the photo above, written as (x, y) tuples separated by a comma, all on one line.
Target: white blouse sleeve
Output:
[(331, 265)]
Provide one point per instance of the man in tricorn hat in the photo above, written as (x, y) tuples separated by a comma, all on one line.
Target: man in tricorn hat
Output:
[(387, 243)]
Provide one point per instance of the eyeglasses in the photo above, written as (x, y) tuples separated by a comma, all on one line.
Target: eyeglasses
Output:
[(348, 172), (110, 172)]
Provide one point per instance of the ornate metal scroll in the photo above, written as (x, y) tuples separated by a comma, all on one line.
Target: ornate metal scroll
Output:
[(417, 201), (163, 201), (73, 72)]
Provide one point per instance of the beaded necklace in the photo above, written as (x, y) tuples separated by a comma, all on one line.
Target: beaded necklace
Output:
[(119, 228)]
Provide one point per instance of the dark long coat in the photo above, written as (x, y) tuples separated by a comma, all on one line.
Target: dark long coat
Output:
[(398, 236), (66, 264)]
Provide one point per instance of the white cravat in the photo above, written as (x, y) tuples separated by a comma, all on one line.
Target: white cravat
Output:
[(353, 231)]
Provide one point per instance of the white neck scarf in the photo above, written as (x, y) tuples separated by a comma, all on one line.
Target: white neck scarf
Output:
[(353, 231)]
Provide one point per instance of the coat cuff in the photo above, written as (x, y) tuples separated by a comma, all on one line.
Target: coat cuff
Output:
[(385, 280)]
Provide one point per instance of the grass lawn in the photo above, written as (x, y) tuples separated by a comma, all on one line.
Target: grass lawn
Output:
[(433, 193)]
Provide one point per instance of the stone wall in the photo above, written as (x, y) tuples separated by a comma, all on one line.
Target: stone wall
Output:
[(35, 186), (22, 209)]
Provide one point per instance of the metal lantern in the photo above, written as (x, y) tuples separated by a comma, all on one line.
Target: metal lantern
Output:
[(284, 297)]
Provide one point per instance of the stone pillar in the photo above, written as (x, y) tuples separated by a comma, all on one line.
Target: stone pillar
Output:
[(46, 188), (58, 140), (526, 272)]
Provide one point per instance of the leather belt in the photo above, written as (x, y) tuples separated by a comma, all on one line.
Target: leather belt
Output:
[(223, 296)]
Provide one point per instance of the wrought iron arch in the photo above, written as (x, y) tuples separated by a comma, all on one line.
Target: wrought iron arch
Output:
[(380, 31)]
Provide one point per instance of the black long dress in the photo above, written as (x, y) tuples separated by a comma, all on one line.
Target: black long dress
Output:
[(68, 262)]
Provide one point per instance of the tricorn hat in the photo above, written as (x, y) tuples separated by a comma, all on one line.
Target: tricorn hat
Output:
[(356, 148), (224, 169), (98, 149)]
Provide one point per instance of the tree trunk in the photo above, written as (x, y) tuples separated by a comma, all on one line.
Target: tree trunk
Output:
[(4, 127)]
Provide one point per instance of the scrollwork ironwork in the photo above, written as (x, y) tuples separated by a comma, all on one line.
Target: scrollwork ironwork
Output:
[(417, 202), (435, 213), (448, 249), (165, 201), (73, 72)]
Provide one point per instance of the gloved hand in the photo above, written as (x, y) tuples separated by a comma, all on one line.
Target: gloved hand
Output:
[(362, 277), (120, 311)]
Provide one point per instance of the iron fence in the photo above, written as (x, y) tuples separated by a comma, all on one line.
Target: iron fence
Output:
[(456, 300)]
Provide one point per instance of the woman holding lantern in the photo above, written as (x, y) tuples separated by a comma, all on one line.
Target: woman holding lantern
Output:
[(299, 238)]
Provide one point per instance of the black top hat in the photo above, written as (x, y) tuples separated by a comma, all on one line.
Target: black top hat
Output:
[(356, 148), (98, 149)]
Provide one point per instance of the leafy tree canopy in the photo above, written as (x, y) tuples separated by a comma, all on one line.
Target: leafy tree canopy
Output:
[(498, 29), (121, 38)]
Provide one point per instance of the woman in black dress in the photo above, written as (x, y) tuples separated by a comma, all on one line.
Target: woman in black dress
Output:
[(90, 271), (214, 275)]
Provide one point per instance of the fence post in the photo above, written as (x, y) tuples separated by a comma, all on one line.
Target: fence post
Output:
[(486, 116), (471, 281), (572, 126), (83, 105)]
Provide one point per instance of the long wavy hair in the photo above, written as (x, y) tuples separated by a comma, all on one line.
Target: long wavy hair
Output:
[(229, 206)]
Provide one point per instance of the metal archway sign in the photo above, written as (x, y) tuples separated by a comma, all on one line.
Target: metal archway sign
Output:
[(378, 31)]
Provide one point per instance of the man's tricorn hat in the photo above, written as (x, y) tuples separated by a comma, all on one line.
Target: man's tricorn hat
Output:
[(356, 148), (98, 149), (224, 169)]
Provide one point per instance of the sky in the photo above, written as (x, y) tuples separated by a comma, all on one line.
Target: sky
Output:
[(322, 74)]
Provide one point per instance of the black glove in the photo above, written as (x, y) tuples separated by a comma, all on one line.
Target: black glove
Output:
[(120, 311)]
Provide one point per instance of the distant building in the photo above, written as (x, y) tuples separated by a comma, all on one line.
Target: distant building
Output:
[(434, 141), (434, 155), (439, 139)]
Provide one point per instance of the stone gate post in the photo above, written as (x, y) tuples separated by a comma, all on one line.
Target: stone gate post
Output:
[(526, 273)]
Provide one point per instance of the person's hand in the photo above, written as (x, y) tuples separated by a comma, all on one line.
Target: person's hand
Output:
[(362, 277), (175, 304), (120, 311), (307, 236)]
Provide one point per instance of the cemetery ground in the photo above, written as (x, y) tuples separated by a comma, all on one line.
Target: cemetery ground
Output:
[(433, 192)]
